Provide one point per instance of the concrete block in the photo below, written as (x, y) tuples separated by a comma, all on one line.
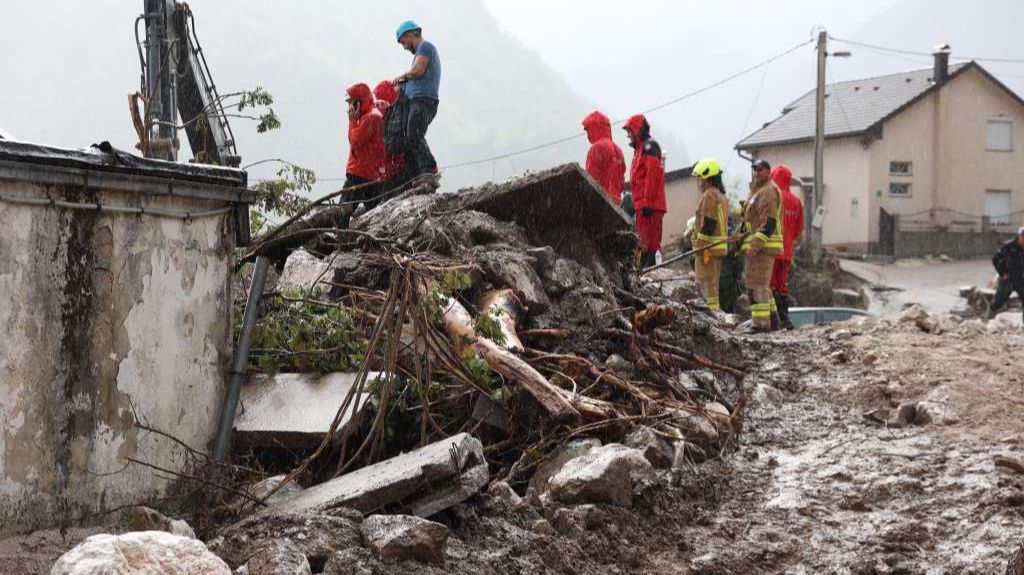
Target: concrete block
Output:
[(292, 409)]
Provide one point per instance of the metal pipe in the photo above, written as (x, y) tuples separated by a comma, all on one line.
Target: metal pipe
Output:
[(241, 359)]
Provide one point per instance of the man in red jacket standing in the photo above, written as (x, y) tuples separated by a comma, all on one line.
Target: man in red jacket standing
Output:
[(647, 177), (605, 162), (792, 227), (366, 146)]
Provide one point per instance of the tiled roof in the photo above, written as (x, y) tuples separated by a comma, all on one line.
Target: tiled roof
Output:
[(850, 107)]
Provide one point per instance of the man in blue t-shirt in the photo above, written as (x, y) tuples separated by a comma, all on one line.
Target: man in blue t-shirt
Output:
[(421, 87)]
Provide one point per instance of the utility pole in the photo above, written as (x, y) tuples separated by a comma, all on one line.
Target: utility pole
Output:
[(817, 245)]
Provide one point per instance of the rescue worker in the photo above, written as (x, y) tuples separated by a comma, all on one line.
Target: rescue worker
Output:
[(1009, 264), (792, 227), (394, 163), (647, 178), (422, 88), (710, 227), (366, 147), (762, 223), (605, 162)]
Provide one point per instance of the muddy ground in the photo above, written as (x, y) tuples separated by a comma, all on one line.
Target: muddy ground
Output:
[(814, 486)]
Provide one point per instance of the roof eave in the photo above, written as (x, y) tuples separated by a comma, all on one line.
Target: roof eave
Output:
[(742, 146)]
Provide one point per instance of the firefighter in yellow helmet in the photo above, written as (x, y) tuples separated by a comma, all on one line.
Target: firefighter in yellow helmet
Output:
[(762, 223), (710, 227)]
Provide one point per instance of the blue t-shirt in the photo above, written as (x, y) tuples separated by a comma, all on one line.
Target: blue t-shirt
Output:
[(427, 85)]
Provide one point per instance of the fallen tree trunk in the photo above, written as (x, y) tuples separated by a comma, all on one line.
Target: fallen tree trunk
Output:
[(458, 324), (508, 312)]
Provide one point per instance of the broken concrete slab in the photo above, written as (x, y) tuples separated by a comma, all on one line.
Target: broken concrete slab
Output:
[(424, 481), (396, 538), (293, 410)]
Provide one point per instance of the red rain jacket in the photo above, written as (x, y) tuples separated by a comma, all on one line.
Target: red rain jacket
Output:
[(792, 212), (647, 175), (387, 95), (605, 162), (365, 137)]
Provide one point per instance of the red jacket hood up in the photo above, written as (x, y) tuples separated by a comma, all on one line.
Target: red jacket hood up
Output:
[(782, 176), (598, 127), (385, 92), (361, 92), (637, 125), (792, 211)]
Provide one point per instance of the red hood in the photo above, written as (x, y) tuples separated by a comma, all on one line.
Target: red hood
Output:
[(598, 127), (386, 92), (782, 176), (361, 92), (636, 126)]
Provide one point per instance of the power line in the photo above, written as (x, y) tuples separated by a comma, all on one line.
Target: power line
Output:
[(925, 54)]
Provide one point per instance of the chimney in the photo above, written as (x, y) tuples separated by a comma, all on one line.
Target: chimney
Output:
[(941, 71)]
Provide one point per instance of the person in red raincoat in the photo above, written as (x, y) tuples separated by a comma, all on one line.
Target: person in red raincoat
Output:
[(647, 178), (386, 96), (366, 147), (605, 162), (792, 227)]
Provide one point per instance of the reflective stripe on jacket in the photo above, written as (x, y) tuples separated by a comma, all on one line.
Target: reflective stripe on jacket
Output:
[(764, 203), (714, 205)]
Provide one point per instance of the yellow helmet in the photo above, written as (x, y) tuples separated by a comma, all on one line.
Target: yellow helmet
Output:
[(707, 168)]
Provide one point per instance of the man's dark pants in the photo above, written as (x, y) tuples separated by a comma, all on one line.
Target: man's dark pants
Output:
[(1003, 291), (421, 114)]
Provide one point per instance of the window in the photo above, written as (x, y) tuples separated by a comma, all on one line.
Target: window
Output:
[(855, 208), (901, 168), (899, 190), (999, 137), (997, 206)]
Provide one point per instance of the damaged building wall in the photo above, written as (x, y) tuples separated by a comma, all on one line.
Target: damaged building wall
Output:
[(108, 318)]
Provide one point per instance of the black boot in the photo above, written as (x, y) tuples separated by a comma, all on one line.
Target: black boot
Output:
[(782, 304)]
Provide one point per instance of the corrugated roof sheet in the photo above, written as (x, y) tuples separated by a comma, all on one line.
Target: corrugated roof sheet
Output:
[(850, 107)]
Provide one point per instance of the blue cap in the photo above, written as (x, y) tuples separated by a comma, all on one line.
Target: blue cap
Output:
[(407, 26)]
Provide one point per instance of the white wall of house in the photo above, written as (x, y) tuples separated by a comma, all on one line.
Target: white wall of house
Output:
[(682, 197)]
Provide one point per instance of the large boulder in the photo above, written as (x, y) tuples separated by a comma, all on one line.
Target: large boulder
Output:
[(302, 270), (612, 474), (396, 538), (280, 557), (140, 552), (317, 534)]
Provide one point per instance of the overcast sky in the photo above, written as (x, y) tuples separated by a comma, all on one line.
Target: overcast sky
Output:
[(67, 67)]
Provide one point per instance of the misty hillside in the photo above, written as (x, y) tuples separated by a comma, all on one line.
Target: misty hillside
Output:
[(75, 71)]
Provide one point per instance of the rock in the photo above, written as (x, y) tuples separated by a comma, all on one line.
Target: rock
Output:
[(698, 428), (302, 270), (563, 276), (143, 552), (929, 411), (718, 413), (542, 527), (395, 538), (619, 366), (945, 258), (279, 557), (765, 395), (513, 270), (903, 415), (545, 257), (967, 291), (454, 468), (612, 474), (573, 521), (972, 327), (243, 570), (913, 314), (870, 358), (145, 519), (549, 467), (351, 561), (653, 447), (841, 335), (840, 356), (260, 489), (504, 493), (318, 535), (1010, 320)]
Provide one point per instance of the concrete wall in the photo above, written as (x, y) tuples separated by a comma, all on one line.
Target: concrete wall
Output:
[(960, 245), (682, 197), (847, 170), (106, 317)]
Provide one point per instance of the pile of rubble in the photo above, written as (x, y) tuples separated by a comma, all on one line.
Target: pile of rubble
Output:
[(508, 347)]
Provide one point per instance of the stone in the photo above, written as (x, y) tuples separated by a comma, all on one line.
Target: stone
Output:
[(612, 474), (967, 291), (718, 413), (698, 428), (144, 552), (913, 314), (513, 270), (292, 410), (931, 411), (318, 535), (563, 276), (542, 527), (549, 467), (903, 415), (454, 468), (945, 258), (841, 335), (545, 257), (145, 519), (503, 492), (972, 327), (870, 358), (396, 538), (765, 395), (302, 270), (260, 489), (619, 366), (279, 557), (654, 448), (351, 561)]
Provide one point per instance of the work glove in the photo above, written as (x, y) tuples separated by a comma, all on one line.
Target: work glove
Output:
[(647, 212)]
